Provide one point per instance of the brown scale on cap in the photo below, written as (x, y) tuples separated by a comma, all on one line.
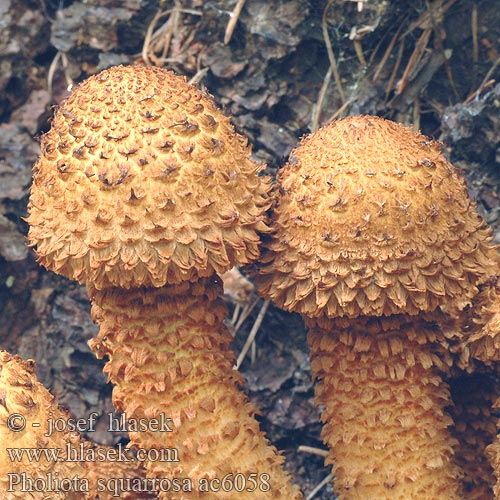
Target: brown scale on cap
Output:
[(371, 221), (143, 181), (26, 407), (144, 191)]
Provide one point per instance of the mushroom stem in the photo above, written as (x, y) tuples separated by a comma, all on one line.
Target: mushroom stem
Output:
[(384, 407), (169, 354)]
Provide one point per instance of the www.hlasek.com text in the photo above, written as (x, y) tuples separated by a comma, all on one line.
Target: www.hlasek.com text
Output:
[(84, 453), (53, 483)]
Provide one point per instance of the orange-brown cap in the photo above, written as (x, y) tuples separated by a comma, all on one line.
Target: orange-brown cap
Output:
[(143, 181), (371, 219)]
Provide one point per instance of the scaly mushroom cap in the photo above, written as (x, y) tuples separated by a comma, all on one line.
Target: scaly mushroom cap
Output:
[(143, 181), (372, 220)]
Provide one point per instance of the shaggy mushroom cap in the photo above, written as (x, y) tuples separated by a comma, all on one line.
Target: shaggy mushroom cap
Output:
[(373, 220), (142, 180)]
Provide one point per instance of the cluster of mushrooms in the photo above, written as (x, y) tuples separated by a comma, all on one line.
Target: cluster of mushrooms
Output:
[(145, 193)]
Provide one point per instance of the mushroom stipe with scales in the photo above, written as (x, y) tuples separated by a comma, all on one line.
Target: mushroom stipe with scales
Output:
[(145, 192), (374, 238)]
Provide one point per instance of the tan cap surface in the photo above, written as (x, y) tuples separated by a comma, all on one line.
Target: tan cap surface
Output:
[(142, 181), (373, 220)]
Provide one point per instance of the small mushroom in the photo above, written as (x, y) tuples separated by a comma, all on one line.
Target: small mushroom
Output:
[(375, 238), (37, 436), (145, 192), (25, 410)]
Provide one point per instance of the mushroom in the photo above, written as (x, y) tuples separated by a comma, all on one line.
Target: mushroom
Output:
[(145, 192), (36, 436), (374, 240), (25, 409)]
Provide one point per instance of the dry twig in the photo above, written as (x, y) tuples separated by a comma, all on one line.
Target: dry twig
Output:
[(329, 49), (332, 70), (233, 20), (324, 481), (253, 332), (312, 450), (159, 40), (484, 86), (386, 55), (319, 487), (319, 102), (415, 59), (60, 58)]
